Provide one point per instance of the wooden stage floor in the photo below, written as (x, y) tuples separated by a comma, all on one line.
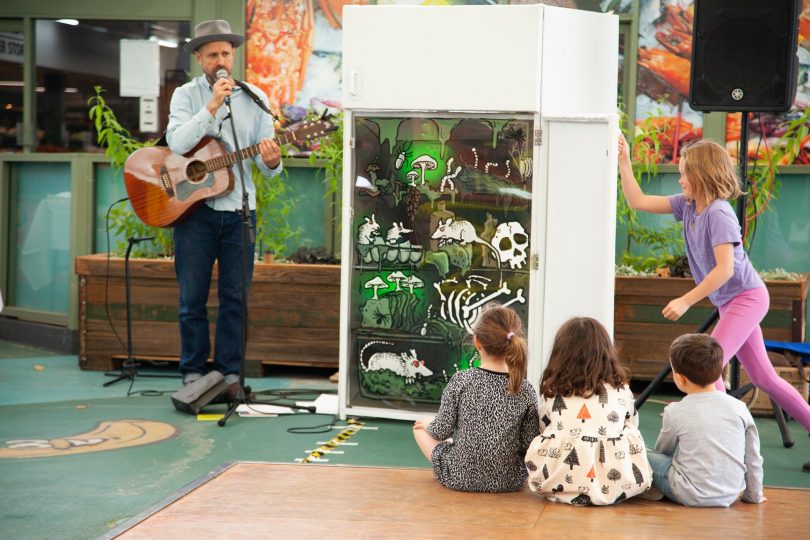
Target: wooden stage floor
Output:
[(275, 500)]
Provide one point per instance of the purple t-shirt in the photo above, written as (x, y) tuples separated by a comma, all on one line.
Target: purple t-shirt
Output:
[(716, 225)]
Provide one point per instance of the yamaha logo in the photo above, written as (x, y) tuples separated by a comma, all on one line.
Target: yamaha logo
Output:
[(737, 94)]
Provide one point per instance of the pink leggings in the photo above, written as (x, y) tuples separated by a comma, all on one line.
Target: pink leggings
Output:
[(739, 334)]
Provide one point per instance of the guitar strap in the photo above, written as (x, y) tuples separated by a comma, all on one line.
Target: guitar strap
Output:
[(256, 99)]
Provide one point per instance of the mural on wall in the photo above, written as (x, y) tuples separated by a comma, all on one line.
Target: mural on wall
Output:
[(441, 227), (764, 129), (664, 52), (293, 53), (617, 6), (293, 50)]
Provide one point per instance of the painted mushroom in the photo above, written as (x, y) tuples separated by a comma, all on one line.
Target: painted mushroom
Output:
[(397, 277), (425, 163), (376, 284), (412, 283), (412, 176)]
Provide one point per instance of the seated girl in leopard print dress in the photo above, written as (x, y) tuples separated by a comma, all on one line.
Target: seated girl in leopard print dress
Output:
[(590, 450), (490, 411)]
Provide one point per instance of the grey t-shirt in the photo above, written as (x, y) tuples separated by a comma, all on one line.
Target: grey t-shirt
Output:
[(715, 447), (716, 225)]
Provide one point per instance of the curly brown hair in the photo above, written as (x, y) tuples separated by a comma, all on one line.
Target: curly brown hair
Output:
[(582, 360)]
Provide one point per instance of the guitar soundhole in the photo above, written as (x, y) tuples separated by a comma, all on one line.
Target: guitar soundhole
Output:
[(196, 171)]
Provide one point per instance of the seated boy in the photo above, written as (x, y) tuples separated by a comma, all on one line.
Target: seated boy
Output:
[(708, 448)]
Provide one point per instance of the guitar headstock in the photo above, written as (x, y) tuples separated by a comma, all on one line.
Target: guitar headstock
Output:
[(312, 129)]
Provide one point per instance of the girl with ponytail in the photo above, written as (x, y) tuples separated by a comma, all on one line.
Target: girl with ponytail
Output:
[(489, 411)]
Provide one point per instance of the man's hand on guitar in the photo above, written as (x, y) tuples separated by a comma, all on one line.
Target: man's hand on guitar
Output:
[(271, 154), (221, 89)]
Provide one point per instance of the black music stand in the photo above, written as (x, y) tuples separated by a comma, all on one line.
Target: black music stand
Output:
[(734, 366), (129, 368)]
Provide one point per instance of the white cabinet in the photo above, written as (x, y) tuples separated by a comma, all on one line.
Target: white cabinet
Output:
[(480, 159)]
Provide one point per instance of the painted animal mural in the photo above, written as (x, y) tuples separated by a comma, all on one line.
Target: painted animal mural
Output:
[(404, 364), (444, 233)]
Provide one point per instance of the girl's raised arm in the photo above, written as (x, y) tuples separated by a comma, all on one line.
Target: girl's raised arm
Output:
[(656, 204)]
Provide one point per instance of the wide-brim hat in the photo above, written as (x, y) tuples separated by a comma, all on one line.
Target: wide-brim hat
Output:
[(208, 31)]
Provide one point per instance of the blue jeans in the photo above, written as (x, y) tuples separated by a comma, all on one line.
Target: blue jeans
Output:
[(661, 464), (205, 236)]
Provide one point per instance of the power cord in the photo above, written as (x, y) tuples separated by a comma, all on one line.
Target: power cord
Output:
[(279, 396), (107, 276), (148, 393)]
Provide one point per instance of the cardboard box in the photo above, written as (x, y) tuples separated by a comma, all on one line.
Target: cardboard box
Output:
[(761, 406)]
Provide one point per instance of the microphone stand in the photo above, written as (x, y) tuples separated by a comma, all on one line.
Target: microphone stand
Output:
[(129, 368), (248, 234)]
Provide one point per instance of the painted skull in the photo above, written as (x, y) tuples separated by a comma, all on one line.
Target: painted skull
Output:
[(512, 243)]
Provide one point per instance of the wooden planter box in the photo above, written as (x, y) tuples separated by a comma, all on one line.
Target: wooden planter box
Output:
[(761, 406), (294, 313), (643, 335)]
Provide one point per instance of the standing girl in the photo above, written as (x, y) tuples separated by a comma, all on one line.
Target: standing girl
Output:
[(590, 450), (490, 411), (719, 263)]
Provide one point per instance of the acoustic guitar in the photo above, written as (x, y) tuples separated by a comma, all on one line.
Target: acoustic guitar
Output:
[(164, 187)]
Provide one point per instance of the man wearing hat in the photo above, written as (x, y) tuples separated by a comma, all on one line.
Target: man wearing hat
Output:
[(213, 232)]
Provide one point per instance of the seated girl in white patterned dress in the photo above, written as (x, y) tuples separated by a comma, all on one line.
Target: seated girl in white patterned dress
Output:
[(590, 450), (490, 411)]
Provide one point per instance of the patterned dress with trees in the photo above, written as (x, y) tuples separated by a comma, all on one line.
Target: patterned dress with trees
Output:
[(585, 453)]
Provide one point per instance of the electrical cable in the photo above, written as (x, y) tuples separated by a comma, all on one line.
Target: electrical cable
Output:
[(107, 276), (278, 396), (318, 428), (150, 393), (770, 172)]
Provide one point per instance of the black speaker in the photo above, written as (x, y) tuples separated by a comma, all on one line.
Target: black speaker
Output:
[(194, 396), (744, 55)]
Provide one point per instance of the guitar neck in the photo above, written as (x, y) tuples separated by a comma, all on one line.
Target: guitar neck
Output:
[(230, 158)]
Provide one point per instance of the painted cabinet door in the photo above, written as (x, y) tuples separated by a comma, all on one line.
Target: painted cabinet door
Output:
[(441, 226)]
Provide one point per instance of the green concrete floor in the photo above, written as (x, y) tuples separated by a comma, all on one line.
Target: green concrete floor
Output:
[(47, 398)]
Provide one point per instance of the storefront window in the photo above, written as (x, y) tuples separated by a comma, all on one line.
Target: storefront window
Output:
[(11, 90), (73, 57)]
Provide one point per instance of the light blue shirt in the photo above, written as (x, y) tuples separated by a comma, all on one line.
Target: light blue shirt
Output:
[(190, 121)]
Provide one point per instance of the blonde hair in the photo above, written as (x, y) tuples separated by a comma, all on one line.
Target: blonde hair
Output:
[(710, 169), (500, 333)]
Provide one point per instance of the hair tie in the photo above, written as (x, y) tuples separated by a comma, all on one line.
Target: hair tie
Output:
[(509, 336)]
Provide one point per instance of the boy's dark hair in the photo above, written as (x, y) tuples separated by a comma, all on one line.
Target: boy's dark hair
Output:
[(582, 360), (698, 357)]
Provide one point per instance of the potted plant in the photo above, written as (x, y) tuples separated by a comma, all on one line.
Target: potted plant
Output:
[(652, 268), (283, 327)]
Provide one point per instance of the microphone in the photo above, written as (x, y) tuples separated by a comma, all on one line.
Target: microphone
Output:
[(223, 74)]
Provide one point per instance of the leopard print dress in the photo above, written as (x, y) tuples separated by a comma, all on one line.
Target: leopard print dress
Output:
[(491, 432)]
